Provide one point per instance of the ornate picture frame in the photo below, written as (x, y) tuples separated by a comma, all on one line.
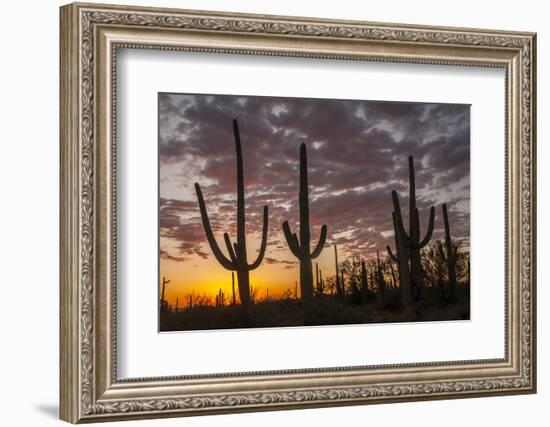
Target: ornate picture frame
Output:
[(90, 37)]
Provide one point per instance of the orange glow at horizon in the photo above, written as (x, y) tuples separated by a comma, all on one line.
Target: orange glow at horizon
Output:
[(200, 276)]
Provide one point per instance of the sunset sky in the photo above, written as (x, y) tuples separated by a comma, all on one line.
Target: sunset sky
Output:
[(357, 153)]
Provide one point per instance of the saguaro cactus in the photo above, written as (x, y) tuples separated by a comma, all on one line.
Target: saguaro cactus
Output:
[(339, 288), (300, 248), (408, 245), (401, 256), (451, 251), (237, 251), (316, 275), (233, 297), (320, 285), (163, 302), (220, 299), (364, 281)]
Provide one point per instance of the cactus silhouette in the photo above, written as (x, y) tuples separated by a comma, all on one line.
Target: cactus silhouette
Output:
[(319, 281), (450, 256), (408, 245), (339, 286), (401, 256), (233, 297), (392, 273), (163, 302), (300, 248), (364, 281), (237, 260), (220, 299)]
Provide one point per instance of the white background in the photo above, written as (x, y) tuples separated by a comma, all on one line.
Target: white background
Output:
[(29, 170), (141, 347)]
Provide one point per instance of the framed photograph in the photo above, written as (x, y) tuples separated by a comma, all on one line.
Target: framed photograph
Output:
[(266, 212)]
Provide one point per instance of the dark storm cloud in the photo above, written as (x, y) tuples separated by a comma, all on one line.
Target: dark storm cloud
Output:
[(357, 154)]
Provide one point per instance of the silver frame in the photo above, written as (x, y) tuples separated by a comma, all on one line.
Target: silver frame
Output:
[(90, 37)]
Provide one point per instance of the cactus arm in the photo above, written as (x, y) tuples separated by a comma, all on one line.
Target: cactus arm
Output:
[(218, 254), (292, 240), (430, 229), (395, 257), (398, 219), (399, 227), (396, 206), (321, 243), (391, 255), (232, 253), (402, 232), (263, 245)]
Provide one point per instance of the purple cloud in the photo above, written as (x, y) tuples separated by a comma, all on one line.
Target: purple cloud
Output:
[(357, 154)]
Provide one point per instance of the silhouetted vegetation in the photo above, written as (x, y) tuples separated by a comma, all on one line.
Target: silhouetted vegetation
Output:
[(369, 293), (237, 251), (300, 247), (422, 280), (408, 245)]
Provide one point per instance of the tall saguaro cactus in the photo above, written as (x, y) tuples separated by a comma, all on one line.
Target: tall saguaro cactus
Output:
[(408, 245), (401, 256), (300, 248), (450, 258), (237, 260)]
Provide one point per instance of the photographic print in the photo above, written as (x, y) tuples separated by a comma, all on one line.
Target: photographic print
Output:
[(277, 212), (323, 209)]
